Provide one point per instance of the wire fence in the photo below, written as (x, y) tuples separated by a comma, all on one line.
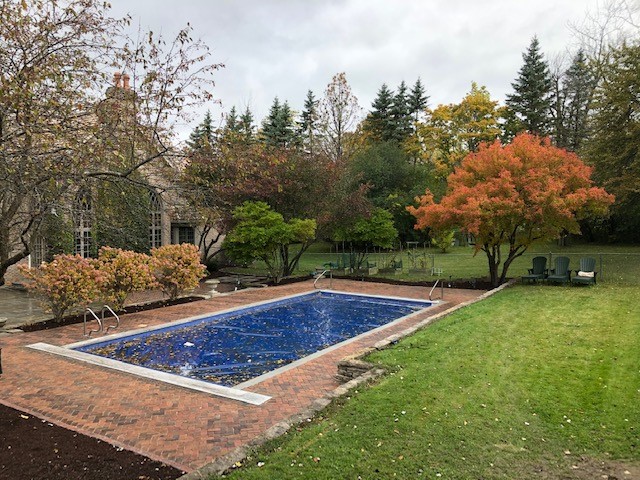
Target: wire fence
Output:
[(429, 264)]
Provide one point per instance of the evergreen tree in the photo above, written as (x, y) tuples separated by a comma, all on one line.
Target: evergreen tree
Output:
[(233, 123), (203, 134), (614, 146), (309, 121), (401, 114), (278, 128), (380, 123), (417, 100), (246, 125), (531, 100), (578, 90)]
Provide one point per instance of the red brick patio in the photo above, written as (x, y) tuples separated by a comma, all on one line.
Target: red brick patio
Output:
[(181, 427)]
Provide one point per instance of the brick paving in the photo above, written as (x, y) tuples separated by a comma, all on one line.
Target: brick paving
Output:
[(184, 428)]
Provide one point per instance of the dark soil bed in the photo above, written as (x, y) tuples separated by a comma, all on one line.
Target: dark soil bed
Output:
[(31, 448)]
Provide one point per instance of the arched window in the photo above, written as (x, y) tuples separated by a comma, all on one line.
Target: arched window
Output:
[(38, 251), (155, 220), (83, 224)]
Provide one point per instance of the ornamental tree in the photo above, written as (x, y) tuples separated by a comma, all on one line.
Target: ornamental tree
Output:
[(375, 230), (177, 268), (514, 194), (263, 234), (123, 272), (67, 281)]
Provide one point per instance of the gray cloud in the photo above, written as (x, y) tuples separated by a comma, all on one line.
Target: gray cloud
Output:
[(285, 47)]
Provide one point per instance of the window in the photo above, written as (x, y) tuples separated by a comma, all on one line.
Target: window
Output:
[(39, 251), (84, 225), (155, 220), (182, 234)]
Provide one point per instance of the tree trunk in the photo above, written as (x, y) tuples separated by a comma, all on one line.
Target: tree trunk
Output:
[(493, 256)]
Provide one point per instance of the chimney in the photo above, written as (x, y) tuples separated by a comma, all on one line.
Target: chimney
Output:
[(125, 81), (116, 79)]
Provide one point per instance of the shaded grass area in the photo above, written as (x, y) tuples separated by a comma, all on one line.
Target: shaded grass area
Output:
[(535, 382)]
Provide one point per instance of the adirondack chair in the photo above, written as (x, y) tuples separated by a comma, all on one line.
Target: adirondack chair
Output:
[(586, 275), (538, 270), (560, 273)]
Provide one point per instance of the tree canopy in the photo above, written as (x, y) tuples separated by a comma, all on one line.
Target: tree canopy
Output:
[(59, 131), (263, 234)]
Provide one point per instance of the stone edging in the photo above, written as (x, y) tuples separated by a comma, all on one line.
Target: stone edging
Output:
[(346, 367)]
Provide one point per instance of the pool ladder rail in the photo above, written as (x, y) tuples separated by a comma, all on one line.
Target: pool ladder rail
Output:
[(100, 320), (434, 287), (318, 275)]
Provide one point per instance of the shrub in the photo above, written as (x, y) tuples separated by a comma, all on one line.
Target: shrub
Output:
[(124, 272), (177, 268), (65, 282)]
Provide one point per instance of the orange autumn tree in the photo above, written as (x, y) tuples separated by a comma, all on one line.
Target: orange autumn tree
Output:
[(514, 195)]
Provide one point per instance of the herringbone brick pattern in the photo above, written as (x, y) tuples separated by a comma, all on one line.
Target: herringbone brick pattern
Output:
[(181, 427)]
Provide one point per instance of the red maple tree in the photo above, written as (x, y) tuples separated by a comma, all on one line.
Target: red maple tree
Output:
[(514, 195)]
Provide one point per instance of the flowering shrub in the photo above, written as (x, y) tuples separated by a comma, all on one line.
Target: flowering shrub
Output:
[(124, 272), (67, 281), (177, 268)]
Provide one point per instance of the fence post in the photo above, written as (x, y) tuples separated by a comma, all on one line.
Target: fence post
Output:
[(601, 268)]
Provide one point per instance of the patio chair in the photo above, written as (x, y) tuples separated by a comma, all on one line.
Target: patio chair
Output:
[(538, 270), (586, 275), (560, 273)]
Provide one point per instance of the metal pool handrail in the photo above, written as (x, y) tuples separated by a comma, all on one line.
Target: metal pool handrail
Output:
[(84, 330), (434, 287), (322, 275), (117, 324)]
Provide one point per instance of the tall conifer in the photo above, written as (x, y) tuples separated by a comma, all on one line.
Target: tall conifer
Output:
[(531, 100)]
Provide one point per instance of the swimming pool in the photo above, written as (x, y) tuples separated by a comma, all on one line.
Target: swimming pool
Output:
[(237, 347)]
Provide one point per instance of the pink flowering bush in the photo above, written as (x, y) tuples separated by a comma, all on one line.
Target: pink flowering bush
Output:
[(123, 272), (177, 268), (65, 282)]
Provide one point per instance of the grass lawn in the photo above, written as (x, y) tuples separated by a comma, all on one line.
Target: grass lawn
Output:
[(535, 382), (616, 264)]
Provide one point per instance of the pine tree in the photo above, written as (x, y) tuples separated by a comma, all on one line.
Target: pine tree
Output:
[(203, 135), (278, 128), (531, 100), (417, 100), (246, 126), (309, 121), (233, 123), (270, 125), (578, 89), (401, 114), (379, 123)]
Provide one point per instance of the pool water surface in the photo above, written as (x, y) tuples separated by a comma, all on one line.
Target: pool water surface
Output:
[(233, 347)]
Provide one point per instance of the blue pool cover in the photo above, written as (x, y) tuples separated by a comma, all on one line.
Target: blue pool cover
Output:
[(233, 347)]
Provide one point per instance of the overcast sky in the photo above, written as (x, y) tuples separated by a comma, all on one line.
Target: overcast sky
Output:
[(285, 47)]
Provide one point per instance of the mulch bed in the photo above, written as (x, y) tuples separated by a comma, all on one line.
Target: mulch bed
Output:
[(31, 448)]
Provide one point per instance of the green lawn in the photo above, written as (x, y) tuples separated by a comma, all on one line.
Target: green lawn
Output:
[(535, 382), (616, 264)]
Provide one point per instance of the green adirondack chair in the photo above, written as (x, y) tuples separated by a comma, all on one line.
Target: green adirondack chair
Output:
[(586, 275), (560, 273), (538, 270)]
